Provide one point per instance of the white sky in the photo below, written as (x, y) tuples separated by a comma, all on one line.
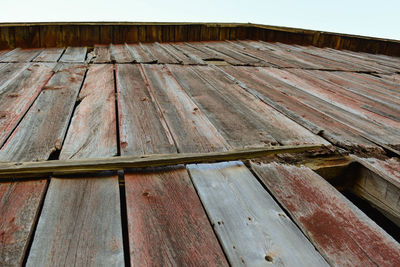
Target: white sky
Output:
[(370, 18)]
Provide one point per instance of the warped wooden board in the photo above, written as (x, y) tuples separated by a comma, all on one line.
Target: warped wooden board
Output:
[(121, 54), (19, 207), (164, 212), (20, 55), (224, 48), (179, 55), (193, 54), (102, 54), (365, 105), (91, 234), (142, 127), (80, 224), (378, 181), (392, 78), (241, 118), (42, 129), (190, 128), (252, 228), (343, 234), (74, 55), (159, 53), (49, 55), (307, 116), (94, 120), (140, 54), (213, 54), (17, 95)]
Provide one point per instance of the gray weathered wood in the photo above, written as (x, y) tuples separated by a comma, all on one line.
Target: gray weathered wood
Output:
[(251, 227), (102, 54), (74, 55), (121, 54), (49, 55), (20, 55)]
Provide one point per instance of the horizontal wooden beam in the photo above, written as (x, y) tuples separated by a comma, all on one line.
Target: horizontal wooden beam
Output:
[(13, 170), (61, 34)]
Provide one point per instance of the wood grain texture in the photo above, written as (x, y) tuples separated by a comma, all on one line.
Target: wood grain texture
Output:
[(49, 55), (121, 54), (242, 118), (142, 128), (179, 55), (42, 130), (20, 55), (141, 53), (341, 232), (161, 55), (102, 54), (191, 129), (16, 95), (80, 224), (92, 132), (19, 207), (74, 55), (251, 227), (166, 221)]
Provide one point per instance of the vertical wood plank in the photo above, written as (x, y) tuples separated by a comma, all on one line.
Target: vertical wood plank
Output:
[(74, 54)]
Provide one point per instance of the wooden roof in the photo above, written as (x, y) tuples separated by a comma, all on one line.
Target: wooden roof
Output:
[(64, 107)]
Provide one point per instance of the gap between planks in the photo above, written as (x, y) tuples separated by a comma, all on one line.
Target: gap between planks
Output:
[(20, 170)]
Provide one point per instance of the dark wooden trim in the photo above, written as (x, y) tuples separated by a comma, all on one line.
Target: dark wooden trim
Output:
[(59, 34)]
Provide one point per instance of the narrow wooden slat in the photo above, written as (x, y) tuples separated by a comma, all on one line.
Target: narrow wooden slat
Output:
[(19, 204), (191, 129), (341, 232), (20, 55), (18, 94), (178, 55), (188, 51), (225, 49), (91, 235), (164, 212), (141, 54), (49, 55), (74, 54), (120, 54), (161, 55), (145, 132), (102, 54), (251, 227), (42, 130), (213, 54)]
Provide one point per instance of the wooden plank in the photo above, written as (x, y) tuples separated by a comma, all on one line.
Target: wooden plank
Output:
[(102, 54), (340, 231), (179, 55), (95, 111), (42, 130), (146, 132), (256, 232), (19, 207), (188, 52), (241, 118), (92, 233), (224, 48), (49, 55), (191, 129), (141, 54), (164, 212), (9, 72), (160, 54), (120, 54), (378, 181), (80, 224), (20, 55), (74, 54), (213, 54), (18, 94), (30, 169)]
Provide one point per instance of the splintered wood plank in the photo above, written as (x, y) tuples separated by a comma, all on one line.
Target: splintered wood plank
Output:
[(160, 54), (242, 118), (91, 234), (121, 54), (141, 54), (214, 54), (19, 207), (189, 52), (42, 130), (74, 55), (378, 181), (49, 55), (18, 94), (179, 55), (164, 212), (102, 54), (20, 55), (252, 228), (94, 120), (142, 129), (307, 116), (80, 224), (224, 48), (343, 234), (191, 129)]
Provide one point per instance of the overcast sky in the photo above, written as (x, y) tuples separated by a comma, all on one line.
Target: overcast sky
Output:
[(371, 18)]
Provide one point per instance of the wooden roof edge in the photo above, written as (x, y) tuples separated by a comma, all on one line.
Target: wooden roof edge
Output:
[(58, 34)]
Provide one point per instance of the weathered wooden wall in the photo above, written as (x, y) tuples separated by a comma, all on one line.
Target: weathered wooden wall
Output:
[(31, 35)]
